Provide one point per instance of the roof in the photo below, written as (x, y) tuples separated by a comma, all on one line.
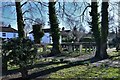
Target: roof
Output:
[(8, 29), (46, 30), (67, 30)]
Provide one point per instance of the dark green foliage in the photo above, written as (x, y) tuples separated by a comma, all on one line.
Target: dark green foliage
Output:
[(55, 31), (37, 33), (19, 51)]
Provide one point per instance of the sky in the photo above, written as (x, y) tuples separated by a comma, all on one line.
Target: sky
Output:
[(9, 15)]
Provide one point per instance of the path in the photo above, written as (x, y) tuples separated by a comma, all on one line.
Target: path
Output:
[(108, 62), (88, 56)]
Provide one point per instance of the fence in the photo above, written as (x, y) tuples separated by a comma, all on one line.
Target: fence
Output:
[(88, 46), (71, 47)]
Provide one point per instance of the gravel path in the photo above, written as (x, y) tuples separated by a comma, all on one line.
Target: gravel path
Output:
[(80, 58), (107, 62)]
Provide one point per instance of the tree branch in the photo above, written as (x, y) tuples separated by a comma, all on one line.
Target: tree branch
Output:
[(24, 3), (43, 4), (85, 10)]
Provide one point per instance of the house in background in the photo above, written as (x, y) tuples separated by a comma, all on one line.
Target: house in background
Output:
[(8, 32), (47, 38)]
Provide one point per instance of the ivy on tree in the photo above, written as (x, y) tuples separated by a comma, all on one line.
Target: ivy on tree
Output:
[(37, 33)]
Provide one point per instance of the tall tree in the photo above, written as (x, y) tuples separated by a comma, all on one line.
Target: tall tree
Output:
[(55, 32), (95, 26), (104, 29), (100, 33), (20, 22)]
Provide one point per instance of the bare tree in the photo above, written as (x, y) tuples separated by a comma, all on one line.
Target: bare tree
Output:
[(29, 12), (71, 14)]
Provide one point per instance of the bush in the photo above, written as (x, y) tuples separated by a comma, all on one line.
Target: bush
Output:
[(19, 51)]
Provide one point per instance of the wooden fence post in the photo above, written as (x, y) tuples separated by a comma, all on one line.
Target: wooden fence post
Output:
[(80, 47)]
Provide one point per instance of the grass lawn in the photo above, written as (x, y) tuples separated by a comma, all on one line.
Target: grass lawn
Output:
[(87, 70), (116, 55), (90, 71), (80, 71), (83, 71)]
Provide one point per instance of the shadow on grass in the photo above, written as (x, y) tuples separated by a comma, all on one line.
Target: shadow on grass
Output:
[(33, 66), (114, 56), (51, 70)]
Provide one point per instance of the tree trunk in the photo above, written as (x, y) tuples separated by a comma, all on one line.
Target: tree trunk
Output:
[(4, 64), (37, 28), (104, 30), (20, 22), (95, 27), (24, 72), (55, 32)]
